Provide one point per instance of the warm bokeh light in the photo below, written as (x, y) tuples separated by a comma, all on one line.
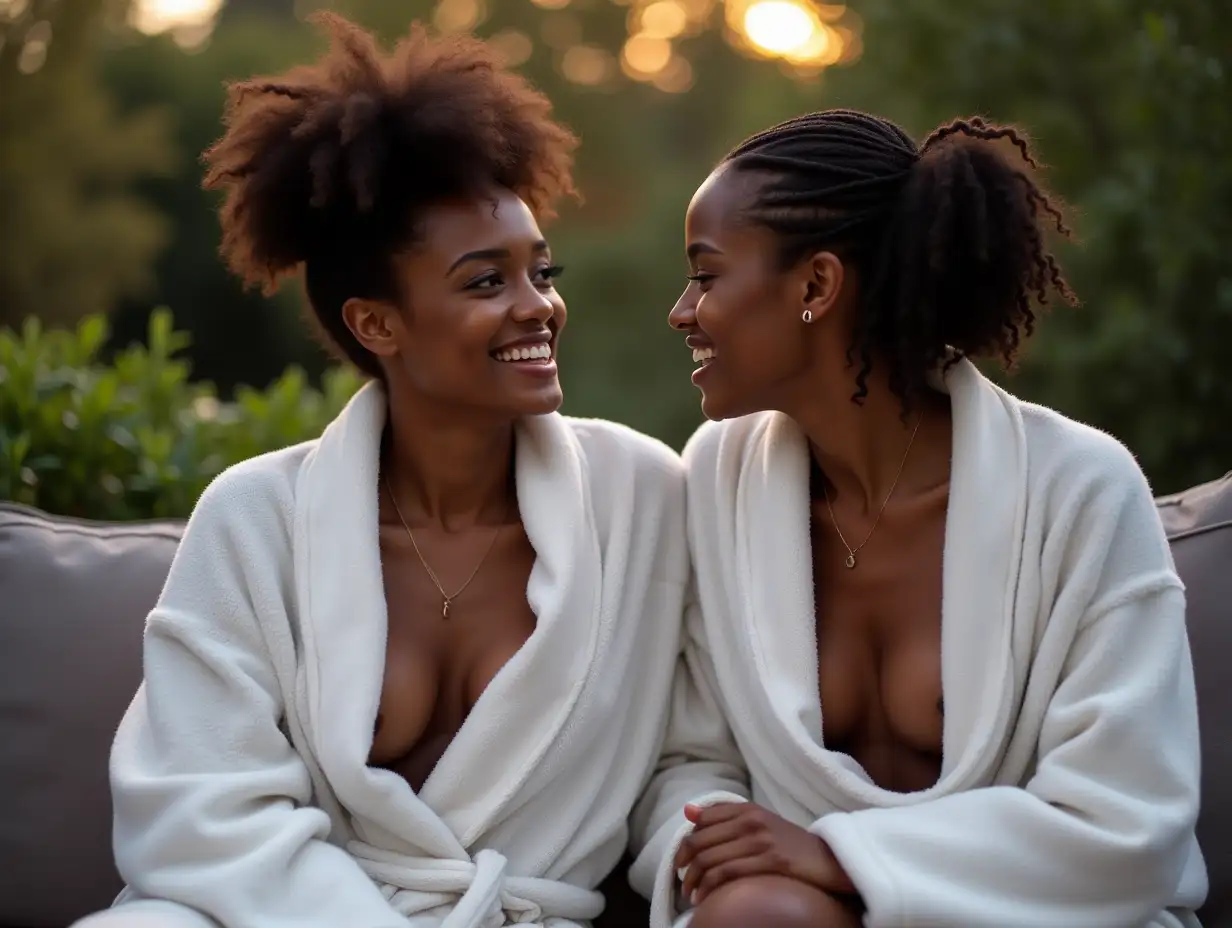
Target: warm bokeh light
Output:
[(34, 47), (587, 65), (513, 47), (780, 27), (698, 11), (153, 16), (676, 76), (806, 35), (13, 9), (459, 15), (561, 30), (664, 19), (645, 56)]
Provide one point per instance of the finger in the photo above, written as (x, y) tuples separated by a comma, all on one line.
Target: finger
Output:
[(719, 812), (703, 837), (717, 855), (735, 869)]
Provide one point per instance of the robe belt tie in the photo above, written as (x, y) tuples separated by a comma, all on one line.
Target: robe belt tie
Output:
[(482, 894)]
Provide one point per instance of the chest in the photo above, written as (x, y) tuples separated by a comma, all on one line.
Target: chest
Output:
[(438, 662), (879, 644)]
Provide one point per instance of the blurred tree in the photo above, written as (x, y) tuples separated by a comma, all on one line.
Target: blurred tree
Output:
[(270, 9), (73, 236), (1131, 101), (643, 152), (1127, 98), (238, 336)]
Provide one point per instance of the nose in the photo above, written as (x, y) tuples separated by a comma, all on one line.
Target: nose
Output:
[(533, 304), (684, 314)]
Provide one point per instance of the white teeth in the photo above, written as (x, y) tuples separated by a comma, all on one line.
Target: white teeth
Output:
[(527, 353), (702, 354)]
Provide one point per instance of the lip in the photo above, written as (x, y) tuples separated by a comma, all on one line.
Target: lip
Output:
[(695, 341), (698, 341), (543, 337), (532, 367)]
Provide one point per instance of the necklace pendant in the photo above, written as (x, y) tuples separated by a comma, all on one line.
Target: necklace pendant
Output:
[(445, 609), (851, 561)]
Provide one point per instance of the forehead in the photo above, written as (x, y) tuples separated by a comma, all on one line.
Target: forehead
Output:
[(499, 218), (717, 204)]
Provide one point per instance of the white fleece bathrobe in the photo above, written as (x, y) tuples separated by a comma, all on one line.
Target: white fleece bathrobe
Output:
[(1069, 784), (240, 776)]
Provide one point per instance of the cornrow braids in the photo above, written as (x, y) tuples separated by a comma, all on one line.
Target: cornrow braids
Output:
[(947, 238), (328, 167)]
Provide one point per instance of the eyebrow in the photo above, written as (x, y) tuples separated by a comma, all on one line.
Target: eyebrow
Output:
[(701, 248), (492, 254)]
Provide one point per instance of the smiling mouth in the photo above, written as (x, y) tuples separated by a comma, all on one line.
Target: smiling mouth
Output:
[(703, 355), (539, 354)]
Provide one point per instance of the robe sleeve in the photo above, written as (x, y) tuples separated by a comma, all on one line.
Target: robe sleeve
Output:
[(699, 764), (213, 806), (1100, 834)]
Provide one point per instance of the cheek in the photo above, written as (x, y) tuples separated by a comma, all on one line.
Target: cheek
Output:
[(747, 322), (733, 300), (448, 347)]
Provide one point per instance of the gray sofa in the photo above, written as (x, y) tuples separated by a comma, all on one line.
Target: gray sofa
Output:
[(73, 599)]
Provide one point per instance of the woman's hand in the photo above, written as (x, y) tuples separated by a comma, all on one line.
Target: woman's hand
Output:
[(734, 840)]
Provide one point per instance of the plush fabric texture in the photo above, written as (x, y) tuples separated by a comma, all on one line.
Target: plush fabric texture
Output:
[(1070, 780), (239, 773)]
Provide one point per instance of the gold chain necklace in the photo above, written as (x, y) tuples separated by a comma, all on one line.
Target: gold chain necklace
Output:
[(850, 561), (447, 600)]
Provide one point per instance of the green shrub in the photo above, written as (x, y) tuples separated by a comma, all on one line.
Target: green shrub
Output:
[(135, 439)]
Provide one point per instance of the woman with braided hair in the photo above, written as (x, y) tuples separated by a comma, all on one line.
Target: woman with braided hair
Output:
[(387, 683), (942, 624)]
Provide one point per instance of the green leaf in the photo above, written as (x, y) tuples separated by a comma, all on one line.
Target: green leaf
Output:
[(135, 439)]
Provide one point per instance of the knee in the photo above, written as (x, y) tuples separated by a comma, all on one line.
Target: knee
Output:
[(773, 902)]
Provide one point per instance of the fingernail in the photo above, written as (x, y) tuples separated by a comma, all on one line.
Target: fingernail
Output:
[(693, 897), (681, 873)]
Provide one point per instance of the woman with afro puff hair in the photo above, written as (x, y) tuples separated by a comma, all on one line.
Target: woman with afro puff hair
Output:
[(944, 625), (416, 672)]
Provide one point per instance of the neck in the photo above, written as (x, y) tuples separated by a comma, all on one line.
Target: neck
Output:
[(861, 447), (447, 468)]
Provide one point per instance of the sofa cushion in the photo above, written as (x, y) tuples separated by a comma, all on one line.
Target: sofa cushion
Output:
[(1199, 525), (75, 595)]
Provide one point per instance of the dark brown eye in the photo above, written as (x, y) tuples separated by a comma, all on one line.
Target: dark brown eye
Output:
[(545, 275)]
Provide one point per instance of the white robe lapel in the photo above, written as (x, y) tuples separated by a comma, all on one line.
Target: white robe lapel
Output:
[(773, 586), (344, 625), (523, 709), (982, 563)]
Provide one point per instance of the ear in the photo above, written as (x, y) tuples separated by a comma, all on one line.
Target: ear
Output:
[(374, 324), (822, 282)]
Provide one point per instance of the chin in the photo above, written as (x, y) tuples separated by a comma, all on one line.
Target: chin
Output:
[(715, 408), (541, 402)]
